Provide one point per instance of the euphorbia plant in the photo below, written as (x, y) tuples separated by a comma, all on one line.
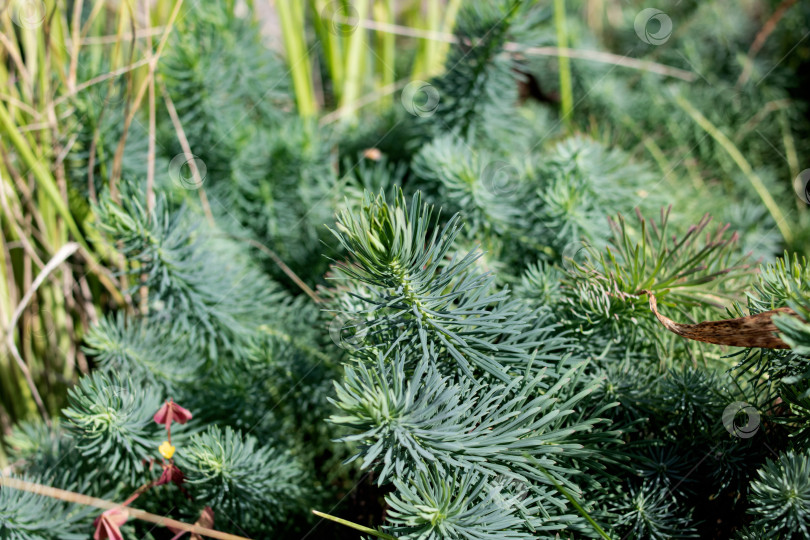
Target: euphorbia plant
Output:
[(108, 524)]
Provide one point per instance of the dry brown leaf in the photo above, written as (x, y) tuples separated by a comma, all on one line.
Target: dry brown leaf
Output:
[(206, 520), (752, 331)]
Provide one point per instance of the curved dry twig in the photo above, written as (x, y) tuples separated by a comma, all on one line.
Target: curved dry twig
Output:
[(78, 498), (64, 252)]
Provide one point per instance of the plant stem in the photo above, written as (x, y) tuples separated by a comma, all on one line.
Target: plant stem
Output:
[(78, 498), (331, 43), (354, 62), (574, 502), (292, 29), (566, 93), (356, 526), (386, 43), (43, 178), (742, 163)]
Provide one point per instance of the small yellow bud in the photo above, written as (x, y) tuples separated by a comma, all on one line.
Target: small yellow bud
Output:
[(166, 450)]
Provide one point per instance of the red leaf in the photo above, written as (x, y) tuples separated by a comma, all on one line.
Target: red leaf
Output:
[(170, 474), (172, 412)]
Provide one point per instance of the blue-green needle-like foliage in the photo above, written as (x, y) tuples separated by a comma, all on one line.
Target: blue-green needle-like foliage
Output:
[(647, 512), (451, 375), (480, 361), (496, 429), (236, 475), (111, 420), (145, 349), (184, 261), (781, 496), (414, 287), (28, 516), (434, 505)]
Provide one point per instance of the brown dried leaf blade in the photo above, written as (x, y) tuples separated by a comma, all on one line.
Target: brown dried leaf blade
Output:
[(752, 331)]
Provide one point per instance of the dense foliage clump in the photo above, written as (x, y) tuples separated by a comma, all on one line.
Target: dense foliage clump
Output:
[(435, 322)]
